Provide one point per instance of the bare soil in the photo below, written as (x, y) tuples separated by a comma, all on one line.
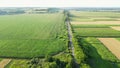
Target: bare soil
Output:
[(4, 62), (116, 28), (98, 22), (112, 44)]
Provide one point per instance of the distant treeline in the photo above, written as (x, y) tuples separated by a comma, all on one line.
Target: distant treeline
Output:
[(96, 9), (10, 12)]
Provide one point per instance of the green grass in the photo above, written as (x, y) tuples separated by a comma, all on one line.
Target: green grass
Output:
[(97, 32), (18, 64), (92, 26), (84, 16), (118, 39), (0, 59), (98, 55), (32, 35)]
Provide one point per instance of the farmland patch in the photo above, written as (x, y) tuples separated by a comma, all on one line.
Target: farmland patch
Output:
[(32, 35), (113, 45)]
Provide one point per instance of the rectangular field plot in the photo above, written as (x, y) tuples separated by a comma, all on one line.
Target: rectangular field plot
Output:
[(113, 45), (91, 26), (31, 35), (97, 32), (30, 48)]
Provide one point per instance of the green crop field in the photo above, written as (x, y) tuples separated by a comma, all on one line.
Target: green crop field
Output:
[(85, 16), (98, 55), (92, 26), (32, 35), (97, 32)]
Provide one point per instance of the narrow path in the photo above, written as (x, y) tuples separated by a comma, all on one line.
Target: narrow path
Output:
[(4, 62), (71, 44), (112, 44)]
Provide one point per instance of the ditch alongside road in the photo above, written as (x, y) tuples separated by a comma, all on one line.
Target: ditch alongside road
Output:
[(71, 46)]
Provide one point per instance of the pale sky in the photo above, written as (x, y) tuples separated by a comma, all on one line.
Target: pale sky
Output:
[(59, 3)]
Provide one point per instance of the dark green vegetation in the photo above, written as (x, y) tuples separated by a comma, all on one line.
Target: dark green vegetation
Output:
[(80, 56), (98, 56), (32, 35)]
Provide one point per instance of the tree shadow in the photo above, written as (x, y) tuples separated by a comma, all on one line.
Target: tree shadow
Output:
[(94, 59)]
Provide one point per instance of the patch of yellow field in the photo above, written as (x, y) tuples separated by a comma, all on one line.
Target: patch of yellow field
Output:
[(4, 62), (112, 44), (116, 28)]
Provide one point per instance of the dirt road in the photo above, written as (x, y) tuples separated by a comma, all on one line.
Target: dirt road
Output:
[(112, 44), (4, 62)]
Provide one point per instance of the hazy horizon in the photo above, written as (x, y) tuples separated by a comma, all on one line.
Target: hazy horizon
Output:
[(60, 3)]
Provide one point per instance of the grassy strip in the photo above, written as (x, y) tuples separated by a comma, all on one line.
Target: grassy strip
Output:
[(92, 26), (98, 55), (18, 63), (79, 54), (0, 59), (97, 32), (118, 39)]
